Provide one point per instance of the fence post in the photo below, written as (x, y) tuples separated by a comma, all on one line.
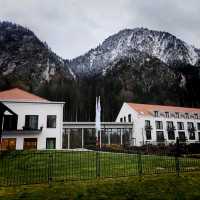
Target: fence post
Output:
[(177, 155), (139, 163), (50, 170)]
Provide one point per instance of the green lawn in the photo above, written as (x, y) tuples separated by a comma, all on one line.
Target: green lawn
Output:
[(155, 187), (40, 166)]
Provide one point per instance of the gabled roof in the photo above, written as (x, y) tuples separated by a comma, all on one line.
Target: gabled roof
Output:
[(19, 95), (147, 109), (4, 108)]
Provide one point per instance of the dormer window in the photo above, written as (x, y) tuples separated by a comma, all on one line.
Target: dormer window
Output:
[(129, 118), (177, 114), (156, 113), (167, 114), (172, 114)]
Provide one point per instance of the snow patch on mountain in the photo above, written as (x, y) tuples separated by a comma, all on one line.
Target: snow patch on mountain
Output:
[(11, 67), (45, 74), (192, 54), (72, 73), (161, 45)]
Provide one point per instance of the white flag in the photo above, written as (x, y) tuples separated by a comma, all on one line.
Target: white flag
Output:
[(98, 114)]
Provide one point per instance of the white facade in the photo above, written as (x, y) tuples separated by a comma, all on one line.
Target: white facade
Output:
[(138, 118), (42, 110)]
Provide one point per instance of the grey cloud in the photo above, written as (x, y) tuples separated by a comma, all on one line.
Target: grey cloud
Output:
[(71, 27), (179, 17)]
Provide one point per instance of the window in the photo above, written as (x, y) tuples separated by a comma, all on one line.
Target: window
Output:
[(8, 144), (182, 115), (159, 125), (196, 116), (181, 135), (121, 119), (190, 125), (30, 143), (148, 129), (148, 134), (186, 115), (160, 136), (31, 122), (124, 119), (171, 135), (177, 114), (10, 122), (147, 125), (147, 122), (198, 126), (191, 116), (167, 114), (51, 121), (180, 125), (170, 130), (129, 118), (156, 113), (50, 143), (170, 124), (192, 135)]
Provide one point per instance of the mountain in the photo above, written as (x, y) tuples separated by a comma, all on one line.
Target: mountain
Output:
[(138, 65), (127, 43), (27, 62)]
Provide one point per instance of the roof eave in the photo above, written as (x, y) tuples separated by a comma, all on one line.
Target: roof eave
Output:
[(28, 101)]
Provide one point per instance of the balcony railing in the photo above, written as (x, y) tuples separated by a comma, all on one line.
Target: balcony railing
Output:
[(24, 130), (31, 129), (148, 127)]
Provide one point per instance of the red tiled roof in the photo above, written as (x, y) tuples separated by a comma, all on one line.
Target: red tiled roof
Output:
[(147, 109), (17, 94)]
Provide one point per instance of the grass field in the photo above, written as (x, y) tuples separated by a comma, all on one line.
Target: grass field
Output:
[(22, 167), (156, 187)]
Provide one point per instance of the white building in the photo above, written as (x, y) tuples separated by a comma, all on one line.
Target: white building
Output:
[(30, 122), (157, 124)]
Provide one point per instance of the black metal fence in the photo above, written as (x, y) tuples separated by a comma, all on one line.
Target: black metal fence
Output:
[(30, 167)]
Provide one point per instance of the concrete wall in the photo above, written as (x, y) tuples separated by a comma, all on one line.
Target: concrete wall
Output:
[(175, 120), (124, 112), (42, 110), (139, 132)]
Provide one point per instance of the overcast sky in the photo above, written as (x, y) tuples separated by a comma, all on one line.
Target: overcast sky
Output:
[(72, 27)]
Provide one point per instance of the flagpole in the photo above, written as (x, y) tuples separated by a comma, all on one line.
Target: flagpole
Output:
[(97, 138), (100, 139), (98, 122), (99, 106)]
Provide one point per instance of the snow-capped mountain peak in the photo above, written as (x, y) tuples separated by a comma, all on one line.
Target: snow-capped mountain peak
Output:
[(161, 45)]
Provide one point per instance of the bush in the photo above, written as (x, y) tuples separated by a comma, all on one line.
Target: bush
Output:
[(112, 147)]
